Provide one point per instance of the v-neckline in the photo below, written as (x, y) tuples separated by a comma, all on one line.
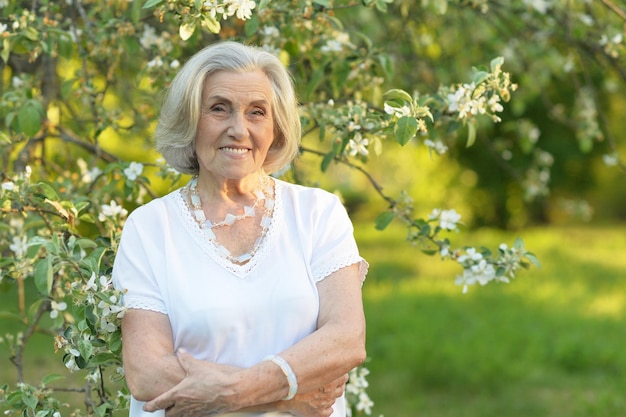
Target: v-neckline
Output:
[(215, 250)]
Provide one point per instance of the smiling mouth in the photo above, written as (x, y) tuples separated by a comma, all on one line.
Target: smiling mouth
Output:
[(238, 151)]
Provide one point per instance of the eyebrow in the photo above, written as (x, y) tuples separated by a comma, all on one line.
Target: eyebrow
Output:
[(226, 100)]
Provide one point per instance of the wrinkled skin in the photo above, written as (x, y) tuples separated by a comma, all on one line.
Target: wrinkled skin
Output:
[(206, 390)]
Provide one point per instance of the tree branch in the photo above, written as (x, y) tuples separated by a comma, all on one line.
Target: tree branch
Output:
[(615, 9), (17, 359)]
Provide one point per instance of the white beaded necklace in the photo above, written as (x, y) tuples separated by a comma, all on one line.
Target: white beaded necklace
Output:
[(248, 211)]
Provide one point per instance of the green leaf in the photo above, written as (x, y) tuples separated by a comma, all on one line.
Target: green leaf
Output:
[(211, 24), (51, 378), (65, 46), (6, 50), (85, 349), (186, 30), (252, 26), (102, 409), (31, 33), (471, 134), (48, 191), (479, 77), (386, 64), (496, 63), (440, 6), (397, 94), (103, 358), (263, 4), (316, 78), (151, 3), (384, 219), (29, 399), (115, 343), (381, 6), (67, 88), (30, 117), (376, 146), (90, 316), (328, 158), (4, 138), (325, 3), (135, 12), (12, 316), (405, 129), (532, 258), (43, 275)]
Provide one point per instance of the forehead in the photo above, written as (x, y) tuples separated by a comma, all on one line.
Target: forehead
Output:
[(238, 86)]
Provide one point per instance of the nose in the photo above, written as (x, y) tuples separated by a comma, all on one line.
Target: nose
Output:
[(238, 128)]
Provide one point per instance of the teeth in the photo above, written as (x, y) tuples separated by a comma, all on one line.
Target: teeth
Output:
[(235, 150)]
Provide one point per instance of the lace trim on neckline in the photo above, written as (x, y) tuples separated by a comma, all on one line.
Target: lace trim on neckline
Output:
[(210, 248)]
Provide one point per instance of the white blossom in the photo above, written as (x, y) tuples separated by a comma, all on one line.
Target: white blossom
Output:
[(269, 32), (332, 45), (91, 284), (448, 219), (610, 160), (542, 6), (8, 186), (19, 246), (111, 211), (133, 170), (148, 37), (438, 146), (241, 8), (358, 145), (56, 308), (397, 111), (214, 7), (155, 63), (470, 254)]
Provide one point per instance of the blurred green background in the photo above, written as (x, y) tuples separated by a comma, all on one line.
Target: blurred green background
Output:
[(550, 344)]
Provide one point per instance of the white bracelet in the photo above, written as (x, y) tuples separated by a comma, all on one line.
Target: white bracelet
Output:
[(291, 377)]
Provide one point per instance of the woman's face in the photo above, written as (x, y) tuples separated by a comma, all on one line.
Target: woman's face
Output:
[(236, 126)]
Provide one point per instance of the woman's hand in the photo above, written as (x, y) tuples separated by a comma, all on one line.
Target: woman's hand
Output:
[(319, 402), (207, 389)]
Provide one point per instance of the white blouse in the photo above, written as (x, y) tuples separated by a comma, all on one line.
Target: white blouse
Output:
[(229, 313)]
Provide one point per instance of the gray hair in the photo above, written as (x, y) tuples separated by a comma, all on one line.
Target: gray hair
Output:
[(178, 121)]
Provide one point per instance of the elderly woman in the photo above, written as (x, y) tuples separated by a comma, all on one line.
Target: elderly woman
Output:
[(243, 291)]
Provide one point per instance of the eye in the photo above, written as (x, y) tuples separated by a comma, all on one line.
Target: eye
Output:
[(218, 108), (257, 112)]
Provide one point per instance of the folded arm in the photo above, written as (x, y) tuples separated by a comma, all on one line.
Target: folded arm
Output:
[(320, 361)]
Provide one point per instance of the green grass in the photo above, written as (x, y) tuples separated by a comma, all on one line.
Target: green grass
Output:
[(551, 343)]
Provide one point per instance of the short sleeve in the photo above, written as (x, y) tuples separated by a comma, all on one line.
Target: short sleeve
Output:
[(334, 246), (133, 271)]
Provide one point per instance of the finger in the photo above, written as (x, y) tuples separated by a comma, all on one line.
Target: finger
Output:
[(162, 402)]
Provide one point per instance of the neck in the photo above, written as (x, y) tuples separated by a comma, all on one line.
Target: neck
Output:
[(231, 190)]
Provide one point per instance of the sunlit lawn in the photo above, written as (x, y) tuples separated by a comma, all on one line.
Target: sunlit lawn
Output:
[(551, 343)]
